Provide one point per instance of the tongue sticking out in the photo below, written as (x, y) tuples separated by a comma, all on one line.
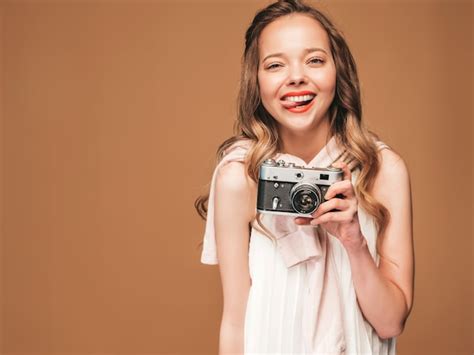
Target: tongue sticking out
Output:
[(290, 104), (304, 103)]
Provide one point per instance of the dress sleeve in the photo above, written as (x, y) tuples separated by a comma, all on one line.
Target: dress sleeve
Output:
[(209, 250)]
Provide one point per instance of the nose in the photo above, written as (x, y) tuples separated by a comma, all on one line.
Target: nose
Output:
[(296, 76)]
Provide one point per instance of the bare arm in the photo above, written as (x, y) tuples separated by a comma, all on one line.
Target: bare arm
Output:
[(385, 294), (234, 209)]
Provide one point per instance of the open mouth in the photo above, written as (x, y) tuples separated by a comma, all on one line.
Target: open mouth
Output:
[(304, 103), (299, 102)]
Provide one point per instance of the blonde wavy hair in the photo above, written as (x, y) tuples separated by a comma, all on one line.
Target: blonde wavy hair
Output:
[(259, 128)]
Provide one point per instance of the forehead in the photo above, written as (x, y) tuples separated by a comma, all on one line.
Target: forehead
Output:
[(292, 32)]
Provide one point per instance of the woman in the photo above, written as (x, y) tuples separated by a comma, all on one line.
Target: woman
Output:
[(340, 282)]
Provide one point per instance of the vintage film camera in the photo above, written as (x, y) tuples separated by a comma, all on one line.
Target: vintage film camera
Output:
[(288, 189)]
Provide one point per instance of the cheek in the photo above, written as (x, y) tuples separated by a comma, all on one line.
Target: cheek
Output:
[(265, 87), (269, 84), (326, 80)]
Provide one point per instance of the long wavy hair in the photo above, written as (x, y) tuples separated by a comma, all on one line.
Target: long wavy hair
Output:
[(255, 125)]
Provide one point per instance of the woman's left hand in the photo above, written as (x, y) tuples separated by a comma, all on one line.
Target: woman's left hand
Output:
[(342, 223)]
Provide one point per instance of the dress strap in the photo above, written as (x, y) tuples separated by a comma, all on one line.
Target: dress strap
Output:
[(381, 145)]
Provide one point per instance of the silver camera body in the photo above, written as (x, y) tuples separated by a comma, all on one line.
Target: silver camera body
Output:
[(289, 189)]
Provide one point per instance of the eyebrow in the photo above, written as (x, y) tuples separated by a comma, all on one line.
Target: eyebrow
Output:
[(306, 51)]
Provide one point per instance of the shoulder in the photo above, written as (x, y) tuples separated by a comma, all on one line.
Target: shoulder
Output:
[(235, 190), (240, 145), (232, 173), (232, 176), (392, 168), (392, 185), (237, 150)]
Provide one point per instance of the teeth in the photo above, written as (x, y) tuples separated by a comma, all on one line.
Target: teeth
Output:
[(299, 98)]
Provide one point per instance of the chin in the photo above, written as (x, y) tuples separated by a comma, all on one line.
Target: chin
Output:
[(298, 123), (298, 126)]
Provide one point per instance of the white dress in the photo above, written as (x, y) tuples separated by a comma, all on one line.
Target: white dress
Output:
[(302, 299)]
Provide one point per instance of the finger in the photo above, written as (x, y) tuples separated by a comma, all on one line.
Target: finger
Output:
[(333, 204), (345, 169), (303, 220), (343, 187), (337, 217)]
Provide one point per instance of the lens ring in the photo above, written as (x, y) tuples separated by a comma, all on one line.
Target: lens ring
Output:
[(305, 197)]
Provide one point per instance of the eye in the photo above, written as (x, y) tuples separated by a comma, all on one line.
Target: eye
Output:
[(273, 66), (316, 60)]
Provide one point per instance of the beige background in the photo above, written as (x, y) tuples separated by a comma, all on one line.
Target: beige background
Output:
[(111, 115)]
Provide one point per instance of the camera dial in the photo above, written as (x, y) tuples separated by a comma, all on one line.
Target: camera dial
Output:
[(269, 162)]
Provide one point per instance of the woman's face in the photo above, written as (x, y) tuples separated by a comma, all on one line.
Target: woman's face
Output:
[(296, 73)]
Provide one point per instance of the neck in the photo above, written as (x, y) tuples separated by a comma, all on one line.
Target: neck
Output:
[(305, 145)]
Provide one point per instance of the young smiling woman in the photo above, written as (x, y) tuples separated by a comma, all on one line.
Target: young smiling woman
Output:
[(342, 281)]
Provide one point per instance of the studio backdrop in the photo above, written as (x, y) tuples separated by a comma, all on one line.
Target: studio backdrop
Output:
[(111, 114)]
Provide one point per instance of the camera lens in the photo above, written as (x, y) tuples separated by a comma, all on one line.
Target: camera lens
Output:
[(305, 197)]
